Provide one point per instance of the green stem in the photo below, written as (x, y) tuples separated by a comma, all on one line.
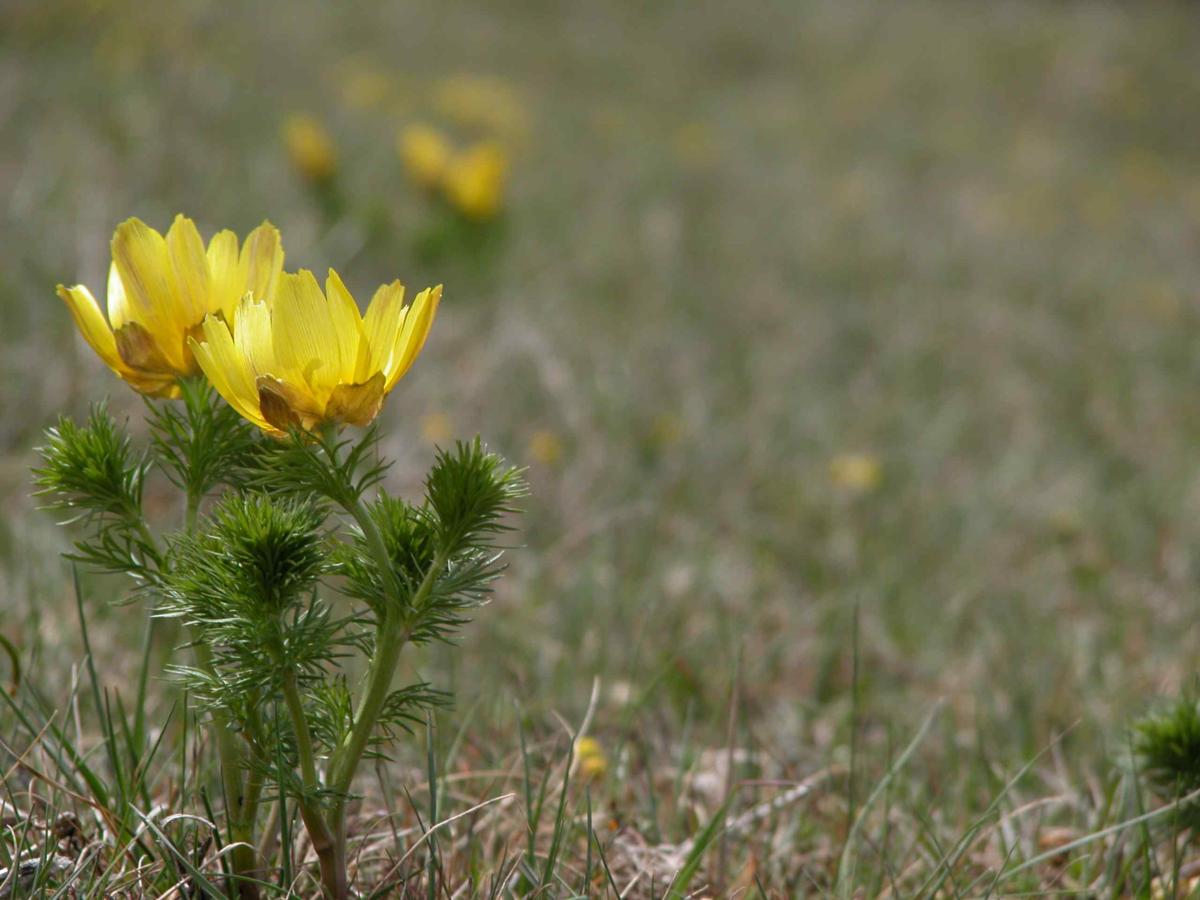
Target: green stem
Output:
[(192, 512), (304, 741), (254, 778), (392, 634), (329, 843), (241, 795)]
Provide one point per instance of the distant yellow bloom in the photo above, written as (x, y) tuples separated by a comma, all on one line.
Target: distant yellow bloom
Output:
[(856, 472), (593, 763), (310, 148), (666, 429), (546, 447), (436, 428), (365, 86), (483, 103), (159, 291), (306, 358), (695, 145), (425, 152), (474, 181)]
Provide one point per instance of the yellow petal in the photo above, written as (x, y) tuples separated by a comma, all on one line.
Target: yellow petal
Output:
[(356, 404), (190, 266), (118, 303), (228, 280), (412, 338), (262, 261), (154, 385), (253, 336), (227, 369), (303, 333), (382, 324), (347, 325), (144, 265), (90, 321)]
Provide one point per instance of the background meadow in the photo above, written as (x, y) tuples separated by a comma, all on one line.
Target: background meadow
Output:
[(852, 349)]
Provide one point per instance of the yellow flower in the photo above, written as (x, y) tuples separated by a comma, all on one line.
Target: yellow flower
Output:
[(309, 147), (425, 153), (306, 358), (856, 472), (436, 428), (695, 146), (666, 430), (593, 763), (474, 181), (363, 85), (546, 447), (159, 291), (482, 103)]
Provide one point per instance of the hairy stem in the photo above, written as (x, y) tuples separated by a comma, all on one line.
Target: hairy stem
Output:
[(330, 848), (304, 741), (391, 636), (241, 794)]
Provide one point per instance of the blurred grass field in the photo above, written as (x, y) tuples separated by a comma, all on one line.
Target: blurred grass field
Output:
[(740, 245)]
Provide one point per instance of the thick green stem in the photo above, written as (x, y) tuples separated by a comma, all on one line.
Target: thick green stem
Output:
[(391, 636), (331, 851), (304, 741), (241, 794)]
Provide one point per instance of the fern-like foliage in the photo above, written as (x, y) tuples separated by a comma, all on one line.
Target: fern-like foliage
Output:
[(1167, 744), (319, 463), (444, 553), (92, 473), (202, 444), (410, 538), (246, 586)]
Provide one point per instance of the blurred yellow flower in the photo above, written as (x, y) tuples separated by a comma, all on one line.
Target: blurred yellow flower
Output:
[(436, 428), (546, 447), (306, 358), (425, 152), (484, 103), (365, 88), (474, 181), (666, 429), (159, 291), (593, 763), (856, 472), (310, 148), (696, 146)]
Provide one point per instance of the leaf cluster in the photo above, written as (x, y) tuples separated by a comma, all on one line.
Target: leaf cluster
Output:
[(319, 463), (203, 444), (443, 553), (246, 584), (92, 472), (1167, 746)]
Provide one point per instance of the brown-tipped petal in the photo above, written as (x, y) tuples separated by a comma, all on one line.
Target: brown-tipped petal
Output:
[(290, 404), (140, 351), (275, 408), (356, 404), (144, 264)]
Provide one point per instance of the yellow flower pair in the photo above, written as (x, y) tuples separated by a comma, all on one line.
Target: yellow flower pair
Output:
[(278, 349), (472, 180)]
